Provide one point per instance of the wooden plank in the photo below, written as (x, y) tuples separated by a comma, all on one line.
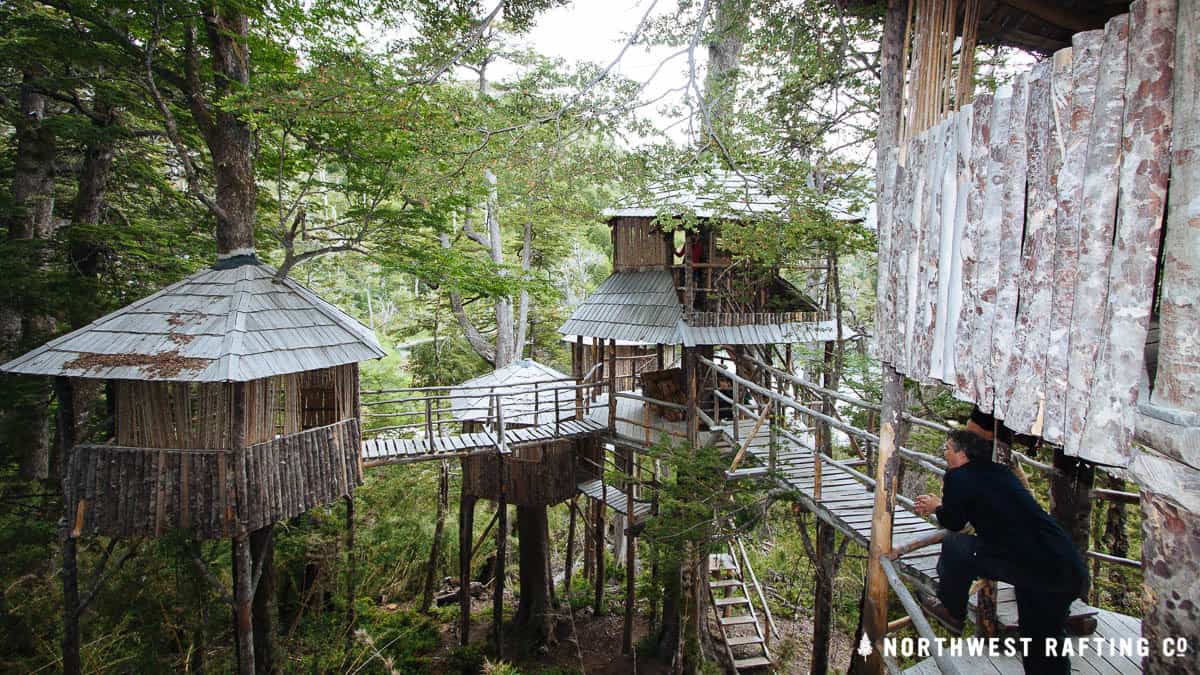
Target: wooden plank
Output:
[(1025, 369), (986, 224), (1008, 252), (909, 233), (883, 344), (930, 238), (948, 282), (1097, 207), (1146, 138), (967, 156), (1073, 118)]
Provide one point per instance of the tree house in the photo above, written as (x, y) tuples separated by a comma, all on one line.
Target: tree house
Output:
[(234, 402)]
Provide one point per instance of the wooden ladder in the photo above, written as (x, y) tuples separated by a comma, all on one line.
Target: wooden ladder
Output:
[(739, 623)]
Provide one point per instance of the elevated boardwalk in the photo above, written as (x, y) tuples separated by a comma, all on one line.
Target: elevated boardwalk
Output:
[(381, 451)]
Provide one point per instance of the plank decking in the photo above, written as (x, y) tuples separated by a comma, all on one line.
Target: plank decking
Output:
[(380, 451)]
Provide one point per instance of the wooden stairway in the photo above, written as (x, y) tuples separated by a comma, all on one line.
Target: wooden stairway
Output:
[(741, 628)]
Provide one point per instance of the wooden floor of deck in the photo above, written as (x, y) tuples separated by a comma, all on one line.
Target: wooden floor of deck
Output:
[(1110, 626), (381, 451)]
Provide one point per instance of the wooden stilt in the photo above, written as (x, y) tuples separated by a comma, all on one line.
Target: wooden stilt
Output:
[(569, 564), (466, 523), (876, 605), (630, 557), (598, 526), (243, 580), (501, 554), (435, 550), (262, 559), (70, 571), (612, 385), (351, 574)]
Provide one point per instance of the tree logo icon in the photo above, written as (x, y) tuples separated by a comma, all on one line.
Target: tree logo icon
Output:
[(864, 646)]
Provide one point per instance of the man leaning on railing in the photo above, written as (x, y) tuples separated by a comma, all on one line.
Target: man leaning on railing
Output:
[(1015, 541)]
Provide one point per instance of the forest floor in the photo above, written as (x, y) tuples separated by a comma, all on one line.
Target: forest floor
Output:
[(592, 644)]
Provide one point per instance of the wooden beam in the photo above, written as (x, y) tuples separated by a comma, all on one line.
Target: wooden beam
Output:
[(875, 606), (1075, 20)]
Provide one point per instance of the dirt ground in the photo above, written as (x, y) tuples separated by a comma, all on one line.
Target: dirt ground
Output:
[(592, 645)]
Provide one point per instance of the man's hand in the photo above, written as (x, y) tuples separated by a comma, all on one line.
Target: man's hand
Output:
[(927, 504)]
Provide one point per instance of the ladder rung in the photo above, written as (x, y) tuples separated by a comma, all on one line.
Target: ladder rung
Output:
[(737, 620), (724, 583), (723, 602), (754, 662), (743, 640)]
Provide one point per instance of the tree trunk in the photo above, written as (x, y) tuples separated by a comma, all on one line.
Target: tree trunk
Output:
[(669, 627), (31, 218), (262, 555), (229, 137), (695, 581), (534, 608), (435, 550), (724, 53)]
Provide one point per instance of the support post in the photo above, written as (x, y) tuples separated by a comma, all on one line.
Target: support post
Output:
[(876, 605), (598, 542), (630, 557), (569, 564), (351, 574), (262, 559), (64, 391), (693, 420), (612, 385), (577, 371), (242, 568), (501, 553), (466, 537)]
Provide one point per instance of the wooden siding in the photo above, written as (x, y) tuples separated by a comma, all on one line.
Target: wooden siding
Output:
[(1001, 277), (639, 244), (122, 491), (538, 474)]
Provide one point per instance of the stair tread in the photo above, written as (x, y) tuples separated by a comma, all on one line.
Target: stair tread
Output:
[(724, 602), (737, 641), (753, 662), (724, 583), (737, 620)]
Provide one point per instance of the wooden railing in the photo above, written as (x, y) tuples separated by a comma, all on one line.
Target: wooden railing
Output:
[(125, 491)]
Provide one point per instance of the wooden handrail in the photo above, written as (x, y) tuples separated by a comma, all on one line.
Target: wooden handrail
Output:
[(737, 459)]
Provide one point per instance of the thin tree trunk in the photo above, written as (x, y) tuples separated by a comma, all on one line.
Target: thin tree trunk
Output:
[(1116, 542), (435, 550), (262, 556), (523, 303)]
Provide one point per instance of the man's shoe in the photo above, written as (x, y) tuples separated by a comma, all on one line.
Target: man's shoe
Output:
[(934, 608)]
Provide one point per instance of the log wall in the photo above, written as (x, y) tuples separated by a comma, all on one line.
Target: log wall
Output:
[(120, 491), (638, 244), (538, 474), (1000, 276)]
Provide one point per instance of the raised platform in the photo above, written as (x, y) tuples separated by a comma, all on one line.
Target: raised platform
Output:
[(614, 497), (381, 451)]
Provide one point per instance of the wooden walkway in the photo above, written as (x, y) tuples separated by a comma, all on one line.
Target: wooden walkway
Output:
[(614, 497), (847, 503), (1110, 626), (381, 451)]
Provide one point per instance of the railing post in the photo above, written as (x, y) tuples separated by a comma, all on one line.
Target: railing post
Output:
[(874, 611), (736, 409), (536, 404), (429, 422), (557, 421), (612, 386)]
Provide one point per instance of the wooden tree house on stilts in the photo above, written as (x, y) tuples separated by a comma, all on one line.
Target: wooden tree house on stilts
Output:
[(236, 406)]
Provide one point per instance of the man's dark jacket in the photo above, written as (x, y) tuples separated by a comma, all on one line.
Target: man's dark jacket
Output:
[(1013, 530)]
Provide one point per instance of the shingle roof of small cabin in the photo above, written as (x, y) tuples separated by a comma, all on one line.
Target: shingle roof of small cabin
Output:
[(516, 382), (639, 307), (217, 325)]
